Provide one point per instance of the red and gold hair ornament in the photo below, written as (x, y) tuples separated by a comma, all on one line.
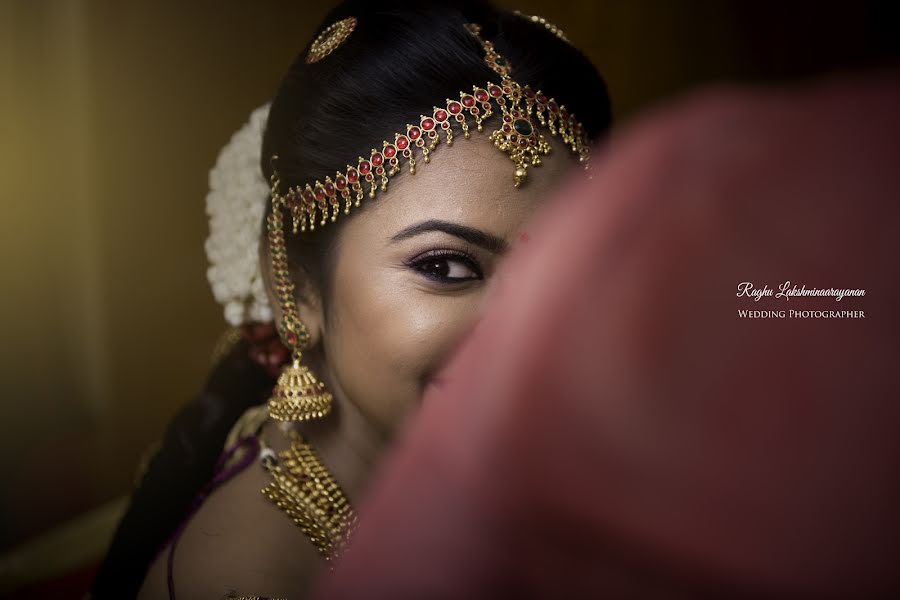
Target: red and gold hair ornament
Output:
[(519, 106)]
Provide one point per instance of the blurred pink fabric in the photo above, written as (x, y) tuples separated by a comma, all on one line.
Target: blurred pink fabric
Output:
[(613, 429)]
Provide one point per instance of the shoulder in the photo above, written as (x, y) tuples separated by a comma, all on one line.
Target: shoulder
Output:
[(238, 542)]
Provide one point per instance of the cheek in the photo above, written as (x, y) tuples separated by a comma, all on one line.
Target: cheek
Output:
[(387, 335)]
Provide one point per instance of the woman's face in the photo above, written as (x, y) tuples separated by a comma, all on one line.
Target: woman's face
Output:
[(412, 269)]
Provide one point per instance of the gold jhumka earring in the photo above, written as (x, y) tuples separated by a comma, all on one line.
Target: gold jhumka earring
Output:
[(298, 395)]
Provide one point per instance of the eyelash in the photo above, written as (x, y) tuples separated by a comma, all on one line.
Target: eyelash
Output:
[(432, 256)]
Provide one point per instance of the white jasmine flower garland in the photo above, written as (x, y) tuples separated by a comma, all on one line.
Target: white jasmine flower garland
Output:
[(235, 204)]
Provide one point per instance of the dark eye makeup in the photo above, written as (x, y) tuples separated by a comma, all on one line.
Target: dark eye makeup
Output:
[(446, 266)]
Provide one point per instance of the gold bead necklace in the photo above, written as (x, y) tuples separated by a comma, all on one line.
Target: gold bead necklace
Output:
[(305, 490)]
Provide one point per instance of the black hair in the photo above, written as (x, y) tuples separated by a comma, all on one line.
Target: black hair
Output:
[(400, 60)]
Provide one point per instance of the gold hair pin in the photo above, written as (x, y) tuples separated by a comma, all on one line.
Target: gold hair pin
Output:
[(330, 39)]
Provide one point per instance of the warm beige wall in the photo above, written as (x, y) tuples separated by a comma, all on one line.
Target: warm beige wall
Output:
[(111, 114)]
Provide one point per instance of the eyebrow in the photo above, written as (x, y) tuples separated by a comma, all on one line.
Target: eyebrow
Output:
[(474, 236)]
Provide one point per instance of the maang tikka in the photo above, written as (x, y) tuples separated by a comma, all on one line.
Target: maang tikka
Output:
[(298, 395)]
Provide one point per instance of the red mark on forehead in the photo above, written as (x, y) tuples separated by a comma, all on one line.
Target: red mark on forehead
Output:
[(524, 237)]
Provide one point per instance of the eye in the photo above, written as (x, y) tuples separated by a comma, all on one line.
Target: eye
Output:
[(446, 266)]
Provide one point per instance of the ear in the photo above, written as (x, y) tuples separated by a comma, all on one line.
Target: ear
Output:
[(307, 297)]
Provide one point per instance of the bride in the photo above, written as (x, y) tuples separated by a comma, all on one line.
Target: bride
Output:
[(377, 246)]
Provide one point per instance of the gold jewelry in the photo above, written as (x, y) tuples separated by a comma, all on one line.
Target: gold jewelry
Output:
[(249, 424), (547, 24), (226, 342), (330, 38), (517, 136), (298, 395), (303, 488)]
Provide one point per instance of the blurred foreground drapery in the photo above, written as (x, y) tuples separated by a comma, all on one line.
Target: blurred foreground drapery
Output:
[(615, 428)]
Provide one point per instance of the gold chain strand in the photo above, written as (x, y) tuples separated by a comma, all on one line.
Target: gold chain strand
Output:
[(291, 328), (304, 489), (547, 25)]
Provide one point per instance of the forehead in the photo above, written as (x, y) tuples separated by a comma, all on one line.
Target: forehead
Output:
[(470, 182)]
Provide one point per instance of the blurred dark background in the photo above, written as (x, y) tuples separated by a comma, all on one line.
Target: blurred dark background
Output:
[(111, 115)]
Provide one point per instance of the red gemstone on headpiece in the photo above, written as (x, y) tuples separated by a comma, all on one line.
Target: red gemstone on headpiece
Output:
[(553, 106), (542, 99), (507, 128), (308, 197), (481, 95), (428, 124), (507, 90), (495, 91), (440, 115), (468, 101), (402, 142), (515, 114), (474, 110), (352, 175), (454, 108), (379, 170), (389, 151), (320, 194), (529, 93), (340, 182), (365, 167), (329, 189), (414, 133), (523, 142), (377, 159)]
